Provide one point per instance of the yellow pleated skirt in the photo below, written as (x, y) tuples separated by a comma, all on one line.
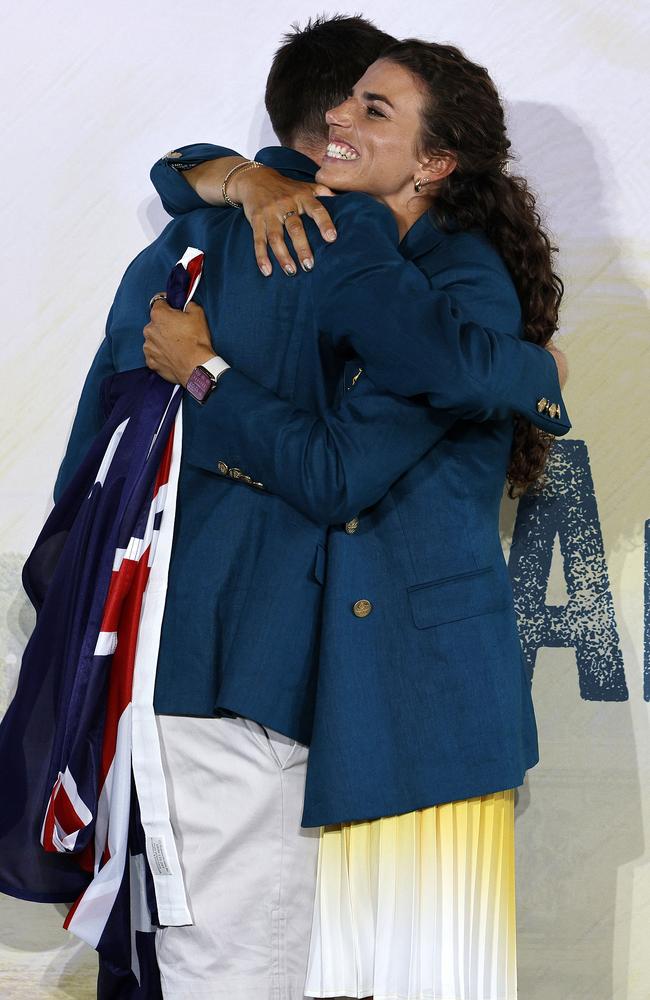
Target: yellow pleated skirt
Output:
[(419, 906)]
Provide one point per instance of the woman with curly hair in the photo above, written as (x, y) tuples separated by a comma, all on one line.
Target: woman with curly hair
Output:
[(415, 894)]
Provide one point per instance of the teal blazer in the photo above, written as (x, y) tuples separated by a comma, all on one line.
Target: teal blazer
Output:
[(337, 572)]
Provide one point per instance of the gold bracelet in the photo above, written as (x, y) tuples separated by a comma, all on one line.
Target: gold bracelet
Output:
[(246, 165)]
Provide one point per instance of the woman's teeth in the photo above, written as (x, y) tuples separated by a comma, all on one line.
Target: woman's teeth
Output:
[(337, 152)]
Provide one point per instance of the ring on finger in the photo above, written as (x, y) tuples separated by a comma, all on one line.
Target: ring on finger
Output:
[(287, 214), (154, 298)]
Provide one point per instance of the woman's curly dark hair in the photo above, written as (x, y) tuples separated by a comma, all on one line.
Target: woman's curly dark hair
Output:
[(463, 115)]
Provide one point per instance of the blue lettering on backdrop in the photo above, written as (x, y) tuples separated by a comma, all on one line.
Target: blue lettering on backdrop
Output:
[(567, 508)]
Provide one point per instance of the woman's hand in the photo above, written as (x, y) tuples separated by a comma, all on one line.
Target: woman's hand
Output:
[(175, 342), (267, 197)]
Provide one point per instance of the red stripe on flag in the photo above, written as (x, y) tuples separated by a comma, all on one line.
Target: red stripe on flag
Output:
[(74, 906), (194, 269), (65, 813), (126, 625), (120, 585)]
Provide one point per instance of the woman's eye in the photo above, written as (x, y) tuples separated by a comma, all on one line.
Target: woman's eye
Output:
[(374, 113)]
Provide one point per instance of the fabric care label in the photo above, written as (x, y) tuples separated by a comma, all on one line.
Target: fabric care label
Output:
[(158, 856)]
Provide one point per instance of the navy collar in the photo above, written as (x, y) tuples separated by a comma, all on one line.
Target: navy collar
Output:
[(423, 236), (289, 161)]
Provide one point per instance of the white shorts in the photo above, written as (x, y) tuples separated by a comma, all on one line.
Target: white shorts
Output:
[(236, 796)]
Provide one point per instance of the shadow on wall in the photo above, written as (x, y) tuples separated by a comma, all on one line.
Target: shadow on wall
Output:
[(579, 814), (152, 217), (17, 618)]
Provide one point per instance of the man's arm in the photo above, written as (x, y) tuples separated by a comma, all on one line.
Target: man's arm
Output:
[(328, 467)]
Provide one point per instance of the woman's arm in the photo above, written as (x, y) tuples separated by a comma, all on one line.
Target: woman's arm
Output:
[(174, 176), (456, 337), (412, 338), (192, 177)]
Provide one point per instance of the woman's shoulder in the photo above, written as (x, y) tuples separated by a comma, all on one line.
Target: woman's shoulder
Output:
[(470, 252), (467, 265), (471, 246)]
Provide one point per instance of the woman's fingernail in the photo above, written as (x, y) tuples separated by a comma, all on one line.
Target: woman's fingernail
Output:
[(265, 269), (330, 234), (289, 268), (307, 263)]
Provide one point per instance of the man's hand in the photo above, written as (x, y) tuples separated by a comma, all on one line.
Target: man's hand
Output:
[(560, 361), (175, 342)]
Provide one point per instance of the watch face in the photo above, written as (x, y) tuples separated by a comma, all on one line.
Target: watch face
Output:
[(199, 384)]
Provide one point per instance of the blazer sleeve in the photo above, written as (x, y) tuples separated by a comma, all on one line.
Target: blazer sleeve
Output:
[(413, 335), (89, 417), (329, 467), (177, 196)]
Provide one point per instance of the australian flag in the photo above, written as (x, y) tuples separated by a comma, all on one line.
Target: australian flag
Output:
[(84, 815)]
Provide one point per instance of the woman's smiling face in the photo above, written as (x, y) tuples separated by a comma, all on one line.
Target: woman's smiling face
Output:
[(373, 135)]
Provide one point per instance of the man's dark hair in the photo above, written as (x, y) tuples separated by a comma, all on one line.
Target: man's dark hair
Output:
[(315, 69)]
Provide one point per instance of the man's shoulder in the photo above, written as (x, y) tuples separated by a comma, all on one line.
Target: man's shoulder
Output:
[(358, 218), (354, 204)]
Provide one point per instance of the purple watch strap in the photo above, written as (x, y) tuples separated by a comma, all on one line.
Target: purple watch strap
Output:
[(200, 383)]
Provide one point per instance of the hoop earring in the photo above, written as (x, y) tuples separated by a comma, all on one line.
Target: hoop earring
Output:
[(417, 184)]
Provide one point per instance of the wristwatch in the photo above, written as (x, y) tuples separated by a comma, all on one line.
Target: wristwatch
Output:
[(204, 378)]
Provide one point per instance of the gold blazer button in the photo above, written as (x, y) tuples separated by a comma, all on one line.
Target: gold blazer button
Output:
[(223, 468), (542, 404), (352, 525), (362, 608)]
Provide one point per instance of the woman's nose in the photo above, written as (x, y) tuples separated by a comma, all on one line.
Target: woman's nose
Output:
[(339, 115)]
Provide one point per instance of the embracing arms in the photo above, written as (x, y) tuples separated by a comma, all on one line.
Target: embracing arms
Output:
[(409, 331), (329, 467)]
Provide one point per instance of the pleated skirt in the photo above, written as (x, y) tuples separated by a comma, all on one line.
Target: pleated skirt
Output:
[(418, 906)]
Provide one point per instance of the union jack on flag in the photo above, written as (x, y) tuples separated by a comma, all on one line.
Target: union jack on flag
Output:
[(84, 798)]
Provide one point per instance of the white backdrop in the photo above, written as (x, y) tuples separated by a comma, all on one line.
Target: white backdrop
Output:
[(92, 94)]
